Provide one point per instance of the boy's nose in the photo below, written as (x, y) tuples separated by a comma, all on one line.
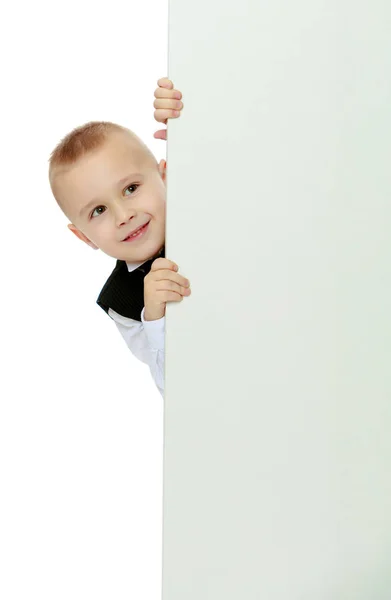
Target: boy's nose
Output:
[(123, 216), (123, 221)]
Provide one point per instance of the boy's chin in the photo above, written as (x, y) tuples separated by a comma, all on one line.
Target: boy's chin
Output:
[(137, 255)]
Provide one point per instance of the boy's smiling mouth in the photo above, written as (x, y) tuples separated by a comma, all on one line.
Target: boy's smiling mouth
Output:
[(136, 233)]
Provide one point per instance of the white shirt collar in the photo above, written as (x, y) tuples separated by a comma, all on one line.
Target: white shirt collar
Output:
[(134, 266)]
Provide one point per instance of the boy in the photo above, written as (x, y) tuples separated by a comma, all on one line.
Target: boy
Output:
[(109, 185)]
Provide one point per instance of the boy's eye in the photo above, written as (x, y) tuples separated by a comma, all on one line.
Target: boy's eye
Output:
[(101, 209), (134, 185), (98, 211)]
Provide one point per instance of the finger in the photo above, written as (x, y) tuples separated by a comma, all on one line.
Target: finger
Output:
[(165, 93), (170, 286), (161, 115), (163, 263), (165, 82), (168, 103), (161, 134), (172, 297), (168, 275)]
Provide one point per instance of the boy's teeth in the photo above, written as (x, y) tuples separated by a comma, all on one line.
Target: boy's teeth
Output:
[(135, 233)]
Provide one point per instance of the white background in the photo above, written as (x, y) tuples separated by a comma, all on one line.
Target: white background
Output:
[(81, 421)]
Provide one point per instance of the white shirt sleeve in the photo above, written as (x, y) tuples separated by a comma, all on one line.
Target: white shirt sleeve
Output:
[(145, 340)]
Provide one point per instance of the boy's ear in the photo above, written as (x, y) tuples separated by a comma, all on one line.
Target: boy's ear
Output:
[(81, 236), (162, 169)]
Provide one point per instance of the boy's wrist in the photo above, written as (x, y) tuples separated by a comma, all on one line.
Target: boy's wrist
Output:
[(153, 315)]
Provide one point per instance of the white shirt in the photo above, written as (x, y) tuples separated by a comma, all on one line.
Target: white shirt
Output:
[(144, 339)]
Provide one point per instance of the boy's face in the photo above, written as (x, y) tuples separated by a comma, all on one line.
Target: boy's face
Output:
[(110, 193)]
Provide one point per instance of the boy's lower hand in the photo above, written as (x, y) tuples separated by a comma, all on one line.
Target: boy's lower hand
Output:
[(168, 105), (163, 284)]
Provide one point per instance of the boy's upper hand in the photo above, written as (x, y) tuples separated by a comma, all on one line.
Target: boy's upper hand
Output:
[(168, 105), (163, 284)]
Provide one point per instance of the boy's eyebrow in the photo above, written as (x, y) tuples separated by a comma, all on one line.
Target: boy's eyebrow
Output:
[(95, 201), (131, 176)]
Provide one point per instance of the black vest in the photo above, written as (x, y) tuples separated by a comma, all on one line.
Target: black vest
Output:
[(123, 292)]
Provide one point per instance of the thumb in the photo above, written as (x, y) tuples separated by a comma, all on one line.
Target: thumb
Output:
[(161, 134)]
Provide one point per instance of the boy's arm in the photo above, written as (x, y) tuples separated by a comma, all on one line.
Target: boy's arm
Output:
[(145, 340)]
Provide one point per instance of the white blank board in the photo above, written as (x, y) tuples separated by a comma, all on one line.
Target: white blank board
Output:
[(277, 450)]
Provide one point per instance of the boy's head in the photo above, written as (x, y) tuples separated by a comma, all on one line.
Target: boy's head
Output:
[(108, 184)]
